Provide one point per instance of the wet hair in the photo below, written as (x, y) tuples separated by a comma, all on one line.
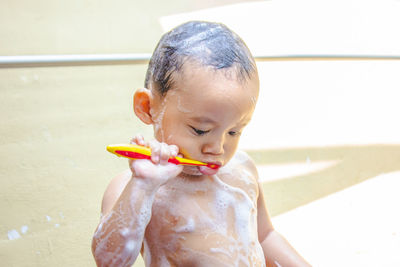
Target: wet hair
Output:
[(206, 43)]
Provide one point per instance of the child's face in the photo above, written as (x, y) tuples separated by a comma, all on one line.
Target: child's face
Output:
[(205, 112)]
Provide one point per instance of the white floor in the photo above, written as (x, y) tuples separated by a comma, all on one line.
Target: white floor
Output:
[(359, 226)]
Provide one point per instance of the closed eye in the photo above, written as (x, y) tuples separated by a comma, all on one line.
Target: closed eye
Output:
[(234, 133), (199, 132)]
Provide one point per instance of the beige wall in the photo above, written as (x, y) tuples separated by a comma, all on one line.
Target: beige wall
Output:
[(54, 167), (56, 121), (68, 27)]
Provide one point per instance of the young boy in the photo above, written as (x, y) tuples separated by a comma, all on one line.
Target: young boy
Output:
[(200, 92)]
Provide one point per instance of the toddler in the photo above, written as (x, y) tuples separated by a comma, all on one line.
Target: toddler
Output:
[(200, 92)]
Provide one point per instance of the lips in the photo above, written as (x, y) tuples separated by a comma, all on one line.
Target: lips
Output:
[(207, 171), (211, 169)]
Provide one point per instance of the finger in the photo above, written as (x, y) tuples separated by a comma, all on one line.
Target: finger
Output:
[(164, 153), (155, 151), (133, 141), (140, 140), (174, 150)]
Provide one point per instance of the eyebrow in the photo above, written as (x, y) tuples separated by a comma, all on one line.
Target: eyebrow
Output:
[(207, 120), (203, 120)]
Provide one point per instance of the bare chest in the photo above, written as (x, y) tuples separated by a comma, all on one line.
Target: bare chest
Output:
[(208, 221)]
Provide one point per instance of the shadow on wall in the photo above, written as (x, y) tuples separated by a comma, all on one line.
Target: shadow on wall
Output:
[(355, 165)]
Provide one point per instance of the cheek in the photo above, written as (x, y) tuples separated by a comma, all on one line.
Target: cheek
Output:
[(189, 148), (167, 131), (179, 137), (171, 137), (230, 148)]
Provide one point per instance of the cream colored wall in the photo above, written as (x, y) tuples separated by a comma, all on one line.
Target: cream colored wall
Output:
[(54, 167), (56, 121)]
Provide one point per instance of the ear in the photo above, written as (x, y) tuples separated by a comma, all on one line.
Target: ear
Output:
[(142, 101)]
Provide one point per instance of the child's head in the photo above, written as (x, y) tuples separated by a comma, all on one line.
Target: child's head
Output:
[(202, 88), (209, 44)]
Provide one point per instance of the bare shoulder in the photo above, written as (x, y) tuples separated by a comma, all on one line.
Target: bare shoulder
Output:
[(114, 190), (243, 161), (241, 172)]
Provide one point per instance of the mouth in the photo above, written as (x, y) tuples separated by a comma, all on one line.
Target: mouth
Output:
[(210, 169), (207, 171)]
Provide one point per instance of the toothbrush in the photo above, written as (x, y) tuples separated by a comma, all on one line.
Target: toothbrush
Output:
[(140, 152)]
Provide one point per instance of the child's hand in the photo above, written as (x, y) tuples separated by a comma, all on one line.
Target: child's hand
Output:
[(157, 171)]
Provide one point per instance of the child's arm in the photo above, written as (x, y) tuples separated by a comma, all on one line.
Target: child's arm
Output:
[(277, 250), (127, 207)]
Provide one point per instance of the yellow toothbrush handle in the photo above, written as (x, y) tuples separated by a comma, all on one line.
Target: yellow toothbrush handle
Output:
[(141, 152)]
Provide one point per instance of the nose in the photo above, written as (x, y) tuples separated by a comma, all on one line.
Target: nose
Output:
[(214, 146)]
